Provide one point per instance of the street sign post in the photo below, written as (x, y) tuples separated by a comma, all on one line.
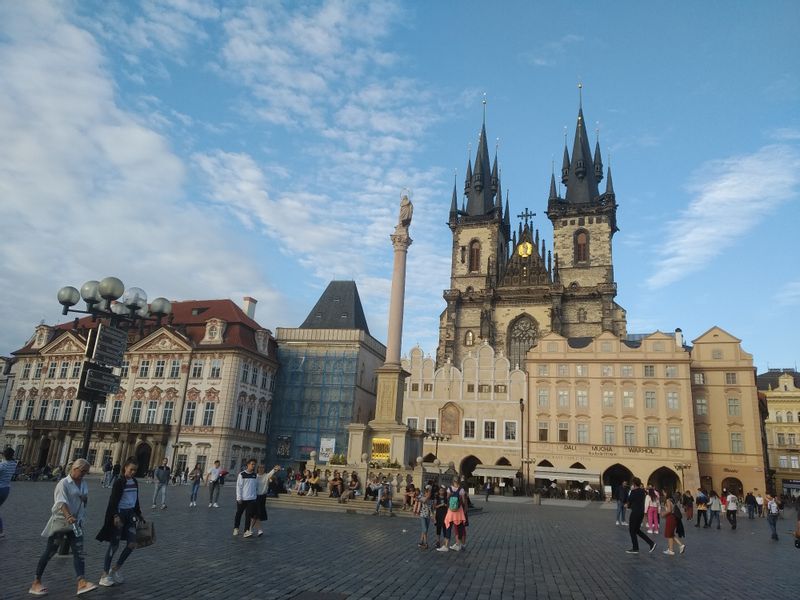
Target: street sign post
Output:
[(110, 346), (101, 381)]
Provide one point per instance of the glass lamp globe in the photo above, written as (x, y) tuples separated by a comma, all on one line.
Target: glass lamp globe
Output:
[(133, 297), (68, 296), (89, 292), (161, 307), (111, 288)]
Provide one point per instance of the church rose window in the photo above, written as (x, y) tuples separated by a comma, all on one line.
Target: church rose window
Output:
[(522, 335)]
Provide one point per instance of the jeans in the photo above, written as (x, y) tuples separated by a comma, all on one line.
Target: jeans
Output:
[(702, 513), (161, 487), (772, 521), (53, 542), (620, 511), (751, 511), (714, 516), (731, 516), (195, 489), (387, 502), (4, 492), (128, 532), (634, 528), (213, 492)]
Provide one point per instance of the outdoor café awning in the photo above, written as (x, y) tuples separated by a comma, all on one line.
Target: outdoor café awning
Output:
[(503, 471), (566, 474)]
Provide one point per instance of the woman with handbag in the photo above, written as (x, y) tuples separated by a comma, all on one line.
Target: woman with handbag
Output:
[(122, 514), (66, 520), (197, 478)]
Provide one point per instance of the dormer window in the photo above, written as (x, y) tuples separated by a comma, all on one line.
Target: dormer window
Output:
[(215, 330)]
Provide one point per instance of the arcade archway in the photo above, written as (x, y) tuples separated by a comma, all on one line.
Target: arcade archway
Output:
[(468, 465), (665, 479), (733, 486), (615, 475), (144, 453)]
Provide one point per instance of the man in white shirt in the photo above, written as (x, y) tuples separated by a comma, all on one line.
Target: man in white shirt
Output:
[(760, 505), (213, 485), (733, 505), (246, 492)]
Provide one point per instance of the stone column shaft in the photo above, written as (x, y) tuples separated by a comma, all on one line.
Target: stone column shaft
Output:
[(401, 241)]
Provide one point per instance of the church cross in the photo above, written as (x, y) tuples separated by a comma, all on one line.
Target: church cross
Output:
[(527, 215)]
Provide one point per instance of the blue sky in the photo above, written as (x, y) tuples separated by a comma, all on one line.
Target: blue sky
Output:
[(208, 149)]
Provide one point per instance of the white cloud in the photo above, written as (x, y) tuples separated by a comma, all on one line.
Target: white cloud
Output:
[(549, 54), (785, 134), (89, 189), (789, 294), (731, 196)]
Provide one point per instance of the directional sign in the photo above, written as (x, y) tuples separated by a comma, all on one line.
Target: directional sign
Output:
[(101, 381), (109, 349)]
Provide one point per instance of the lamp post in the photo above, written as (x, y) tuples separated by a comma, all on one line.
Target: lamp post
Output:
[(527, 462), (121, 309), (437, 437), (682, 467)]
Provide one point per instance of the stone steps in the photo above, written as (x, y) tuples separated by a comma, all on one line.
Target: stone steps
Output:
[(325, 504)]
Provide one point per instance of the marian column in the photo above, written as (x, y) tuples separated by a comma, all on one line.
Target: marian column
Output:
[(401, 241)]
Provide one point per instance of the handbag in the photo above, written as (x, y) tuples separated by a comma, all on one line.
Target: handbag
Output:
[(58, 525), (145, 534)]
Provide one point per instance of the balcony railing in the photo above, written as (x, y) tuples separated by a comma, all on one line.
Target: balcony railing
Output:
[(99, 426)]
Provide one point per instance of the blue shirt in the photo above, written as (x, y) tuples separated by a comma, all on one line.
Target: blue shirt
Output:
[(7, 470), (129, 493)]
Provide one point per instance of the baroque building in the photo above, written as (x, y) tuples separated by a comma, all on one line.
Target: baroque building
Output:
[(781, 388), (196, 389)]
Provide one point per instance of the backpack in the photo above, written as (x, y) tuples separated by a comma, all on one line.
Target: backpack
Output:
[(454, 501)]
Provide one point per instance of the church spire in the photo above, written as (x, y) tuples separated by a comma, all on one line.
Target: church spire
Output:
[(480, 192), (581, 182), (553, 192), (454, 203), (565, 162), (507, 219), (598, 161), (468, 178), (609, 183)]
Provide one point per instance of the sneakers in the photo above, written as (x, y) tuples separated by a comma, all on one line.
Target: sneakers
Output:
[(260, 533), (216, 505), (649, 530), (153, 507), (617, 523), (624, 522), (191, 504), (235, 531), (163, 507), (210, 505), (683, 549), (455, 547), (247, 534), (631, 552), (117, 576), (85, 586), (652, 548), (107, 581), (669, 552), (443, 549)]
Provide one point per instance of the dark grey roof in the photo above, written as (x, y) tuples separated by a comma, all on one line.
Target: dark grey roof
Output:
[(339, 307), (768, 380), (478, 187), (581, 180), (632, 343), (579, 342)]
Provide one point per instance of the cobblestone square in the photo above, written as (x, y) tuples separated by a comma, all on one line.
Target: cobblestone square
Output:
[(515, 550)]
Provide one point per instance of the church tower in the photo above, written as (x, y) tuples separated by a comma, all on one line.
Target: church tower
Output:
[(584, 223)]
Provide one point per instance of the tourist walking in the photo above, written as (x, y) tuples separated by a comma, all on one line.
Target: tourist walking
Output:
[(487, 489), (622, 499), (425, 511), (122, 514), (196, 477), (8, 467), (66, 522), (246, 492), (671, 526), (115, 471), (714, 510), (750, 504), (455, 518), (772, 516), (214, 483), (440, 512), (161, 476), (260, 508), (652, 506), (688, 505), (760, 504), (108, 468), (636, 500), (731, 507), (701, 502)]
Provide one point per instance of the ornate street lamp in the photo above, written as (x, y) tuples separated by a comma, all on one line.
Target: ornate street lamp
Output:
[(437, 437)]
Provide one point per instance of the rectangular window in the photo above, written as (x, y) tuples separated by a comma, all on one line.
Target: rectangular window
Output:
[(670, 371), (413, 423), (542, 370), (581, 370), (649, 370), (544, 431), (700, 406), (116, 411), (415, 387), (783, 462), (469, 429), (652, 436), (136, 411), (17, 409), (627, 370), (563, 398), (510, 431), (563, 432), (144, 368), (605, 347), (100, 414), (737, 444), (76, 369), (795, 461), (650, 399), (64, 369), (161, 366), (699, 378), (43, 409), (730, 378), (175, 369), (608, 399), (672, 401), (239, 415), (482, 388), (544, 398), (216, 372), (29, 411), (55, 411), (582, 433), (68, 409), (124, 369), (259, 419), (51, 370), (430, 425), (166, 414), (208, 415), (703, 441), (608, 370), (630, 435), (197, 370), (264, 377), (582, 398), (470, 387), (675, 437), (628, 398), (791, 439), (488, 430), (26, 371), (191, 408), (254, 377), (37, 372), (245, 372), (152, 410), (609, 434), (500, 389), (734, 407), (781, 439), (563, 370)]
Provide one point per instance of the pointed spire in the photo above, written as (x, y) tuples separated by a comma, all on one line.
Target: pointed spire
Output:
[(598, 160), (550, 263), (495, 178), (582, 183), (468, 178), (507, 219), (565, 162), (454, 202), (536, 240), (609, 183), (543, 252), (514, 240), (553, 192)]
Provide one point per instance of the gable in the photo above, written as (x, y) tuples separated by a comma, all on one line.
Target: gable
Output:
[(68, 343), (161, 340), (716, 335)]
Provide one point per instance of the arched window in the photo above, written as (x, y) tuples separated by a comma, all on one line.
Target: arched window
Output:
[(469, 339), (474, 256), (789, 417), (521, 336), (581, 247), (779, 417)]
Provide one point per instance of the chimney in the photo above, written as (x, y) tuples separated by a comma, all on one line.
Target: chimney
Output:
[(679, 338), (250, 306)]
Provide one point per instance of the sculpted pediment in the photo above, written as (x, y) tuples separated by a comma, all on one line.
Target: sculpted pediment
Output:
[(65, 344), (161, 341)]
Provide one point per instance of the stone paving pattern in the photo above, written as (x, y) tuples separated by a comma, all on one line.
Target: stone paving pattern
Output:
[(515, 551)]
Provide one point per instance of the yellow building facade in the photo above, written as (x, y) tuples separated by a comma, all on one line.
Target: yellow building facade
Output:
[(782, 389)]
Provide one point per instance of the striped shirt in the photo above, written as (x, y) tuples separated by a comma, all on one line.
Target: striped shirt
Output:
[(129, 494)]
